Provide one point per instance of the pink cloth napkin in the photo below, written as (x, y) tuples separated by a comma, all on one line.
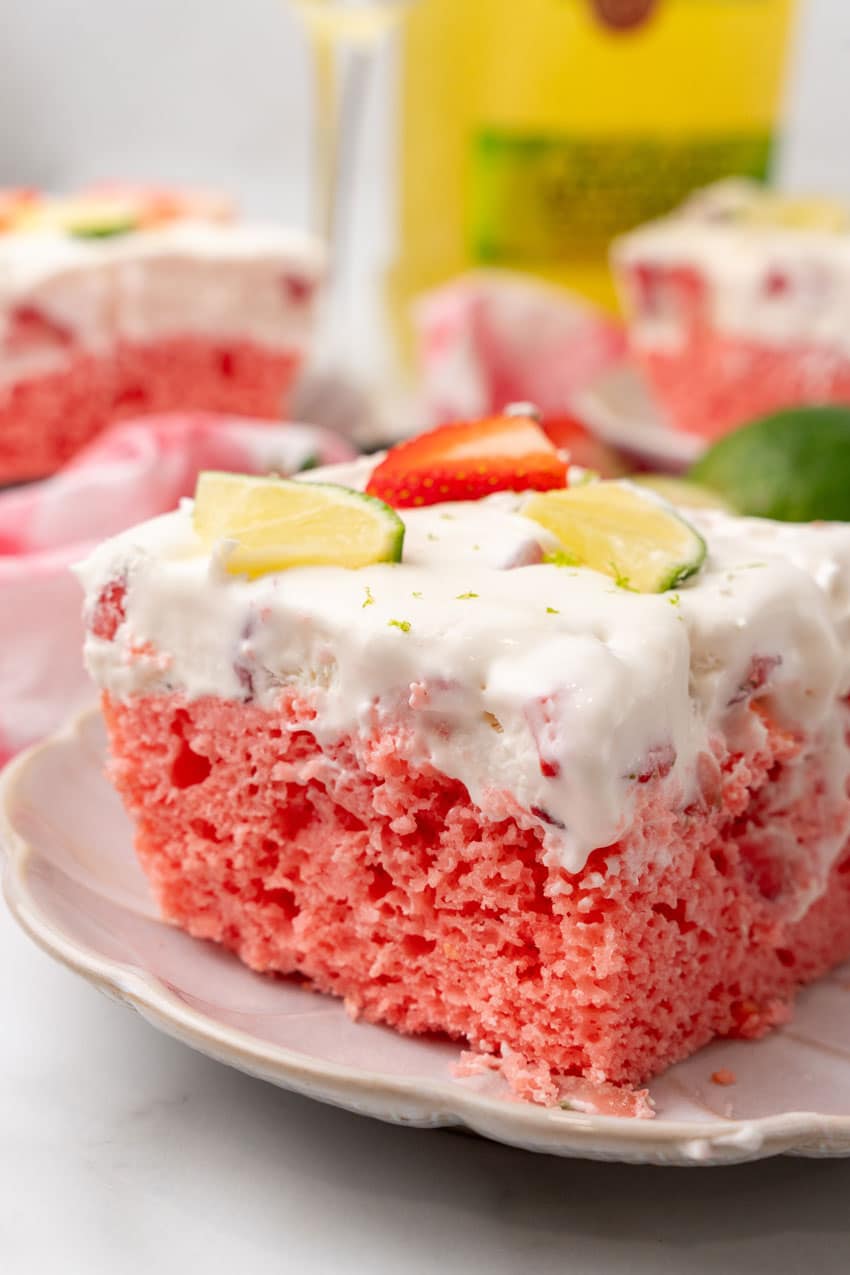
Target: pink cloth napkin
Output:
[(490, 338), (134, 471)]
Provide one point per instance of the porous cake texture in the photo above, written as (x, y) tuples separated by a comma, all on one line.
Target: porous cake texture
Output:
[(483, 794)]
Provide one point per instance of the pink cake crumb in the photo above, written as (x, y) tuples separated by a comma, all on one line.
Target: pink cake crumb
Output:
[(382, 883), (723, 1076), (534, 1082)]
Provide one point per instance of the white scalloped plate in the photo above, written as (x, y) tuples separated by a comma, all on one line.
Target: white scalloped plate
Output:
[(73, 883)]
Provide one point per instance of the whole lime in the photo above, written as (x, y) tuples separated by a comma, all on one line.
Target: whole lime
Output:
[(793, 466)]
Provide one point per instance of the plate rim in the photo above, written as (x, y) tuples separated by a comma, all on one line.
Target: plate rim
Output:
[(422, 1102), (656, 441)]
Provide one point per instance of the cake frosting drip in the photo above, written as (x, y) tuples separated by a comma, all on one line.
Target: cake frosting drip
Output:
[(508, 673)]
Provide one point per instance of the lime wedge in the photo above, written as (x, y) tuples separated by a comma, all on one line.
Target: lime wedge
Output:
[(273, 523), (682, 492), (793, 213), (102, 227), (84, 218), (633, 536)]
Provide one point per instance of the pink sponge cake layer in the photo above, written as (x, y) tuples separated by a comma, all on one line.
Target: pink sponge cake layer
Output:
[(715, 382), (46, 420), (580, 827), (161, 304), (738, 305), (387, 886)]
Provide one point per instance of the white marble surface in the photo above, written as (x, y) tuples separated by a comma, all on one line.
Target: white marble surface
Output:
[(122, 1152)]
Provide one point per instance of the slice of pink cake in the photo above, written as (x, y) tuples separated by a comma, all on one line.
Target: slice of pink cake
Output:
[(738, 305), (480, 792), (124, 301)]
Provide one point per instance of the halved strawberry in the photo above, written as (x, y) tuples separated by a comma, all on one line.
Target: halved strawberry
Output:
[(468, 460), (158, 205), (583, 447)]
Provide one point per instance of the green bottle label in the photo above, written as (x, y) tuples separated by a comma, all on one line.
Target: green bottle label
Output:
[(545, 199)]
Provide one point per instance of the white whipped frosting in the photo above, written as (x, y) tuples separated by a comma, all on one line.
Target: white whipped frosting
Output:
[(779, 285), (545, 682), (201, 278)]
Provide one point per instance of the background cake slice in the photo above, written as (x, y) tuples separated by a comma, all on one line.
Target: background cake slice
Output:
[(125, 301), (738, 305), (487, 790)]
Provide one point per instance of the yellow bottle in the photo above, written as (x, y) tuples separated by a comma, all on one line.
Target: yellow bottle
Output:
[(532, 131)]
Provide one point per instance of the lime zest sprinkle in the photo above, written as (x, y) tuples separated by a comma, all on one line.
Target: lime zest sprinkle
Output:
[(622, 581), (462, 597), (416, 594), (552, 611), (370, 601), (476, 546), (560, 558), (674, 599), (404, 625), (431, 536)]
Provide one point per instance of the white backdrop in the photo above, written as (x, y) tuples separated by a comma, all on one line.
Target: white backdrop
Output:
[(209, 92), (216, 92)]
